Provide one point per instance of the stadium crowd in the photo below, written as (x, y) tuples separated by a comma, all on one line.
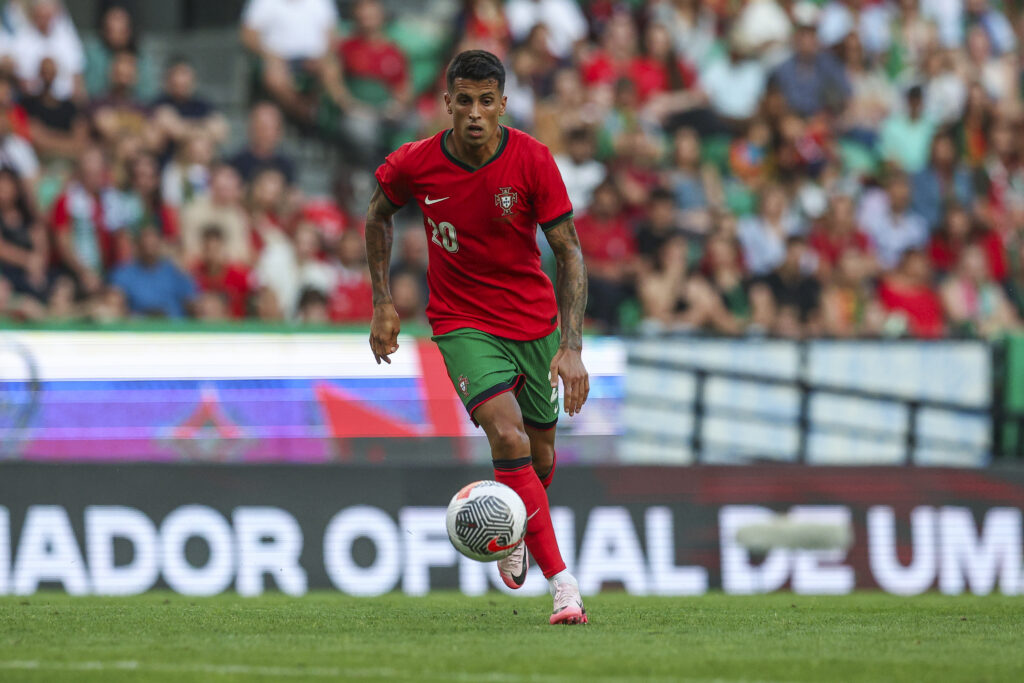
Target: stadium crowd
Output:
[(841, 168)]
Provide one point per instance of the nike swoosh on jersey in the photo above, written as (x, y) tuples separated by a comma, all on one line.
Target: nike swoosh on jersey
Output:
[(428, 201)]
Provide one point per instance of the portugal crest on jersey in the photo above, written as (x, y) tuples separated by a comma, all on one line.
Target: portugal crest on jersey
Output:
[(464, 385), (506, 199)]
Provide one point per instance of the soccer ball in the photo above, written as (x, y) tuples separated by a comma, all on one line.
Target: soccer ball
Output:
[(486, 520)]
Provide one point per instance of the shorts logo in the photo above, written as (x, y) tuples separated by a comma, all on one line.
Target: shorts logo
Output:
[(506, 199), (464, 385)]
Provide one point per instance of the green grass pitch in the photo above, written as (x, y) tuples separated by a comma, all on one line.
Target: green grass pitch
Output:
[(449, 637)]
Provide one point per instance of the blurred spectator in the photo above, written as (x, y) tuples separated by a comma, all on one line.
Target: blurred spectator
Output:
[(763, 236), (838, 235), (314, 271), (152, 284), (887, 218), (869, 22), (692, 25), (183, 116), (565, 109), (485, 27), (276, 266), (763, 25), (117, 33), (16, 153), (376, 70), (812, 80), (211, 307), (293, 41), (313, 309), (222, 207), (997, 29), (119, 114), (58, 128), (796, 295), (945, 90), (266, 308), (563, 19), (906, 138), (972, 129), (872, 96), (83, 246), (996, 73), (351, 300), (609, 249), (751, 158), (734, 84), (23, 251), (48, 32), (723, 270), (408, 296), (139, 205), (215, 273), (412, 256), (941, 182), (697, 187), (263, 149), (187, 175), (911, 305), (580, 170), (848, 305), (659, 227), (974, 303)]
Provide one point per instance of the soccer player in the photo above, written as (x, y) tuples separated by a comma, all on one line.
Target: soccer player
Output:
[(483, 188)]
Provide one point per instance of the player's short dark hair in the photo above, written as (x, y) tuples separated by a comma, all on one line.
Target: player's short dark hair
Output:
[(475, 65)]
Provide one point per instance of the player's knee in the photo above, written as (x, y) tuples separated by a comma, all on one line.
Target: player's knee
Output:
[(509, 441)]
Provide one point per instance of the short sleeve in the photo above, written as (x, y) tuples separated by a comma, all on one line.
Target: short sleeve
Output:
[(392, 179), (255, 15), (550, 199)]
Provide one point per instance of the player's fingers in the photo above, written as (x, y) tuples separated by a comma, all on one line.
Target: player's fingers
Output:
[(586, 390), (569, 399), (553, 373), (577, 395)]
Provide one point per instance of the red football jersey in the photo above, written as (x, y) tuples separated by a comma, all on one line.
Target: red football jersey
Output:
[(484, 270)]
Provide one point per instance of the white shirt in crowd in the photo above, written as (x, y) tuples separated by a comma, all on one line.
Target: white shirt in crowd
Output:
[(564, 20), (734, 88), (891, 234), (292, 29), (580, 179), (28, 48), (17, 154)]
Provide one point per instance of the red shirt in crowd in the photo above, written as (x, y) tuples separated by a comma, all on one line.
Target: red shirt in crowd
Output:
[(944, 254), (81, 214), (352, 298), (378, 61), (605, 241), (830, 247), (481, 223), (232, 281), (921, 306), (650, 76)]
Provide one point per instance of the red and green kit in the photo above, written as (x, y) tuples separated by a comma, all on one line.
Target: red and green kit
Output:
[(485, 268)]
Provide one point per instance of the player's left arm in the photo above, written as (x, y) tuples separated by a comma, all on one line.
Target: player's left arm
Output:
[(571, 290)]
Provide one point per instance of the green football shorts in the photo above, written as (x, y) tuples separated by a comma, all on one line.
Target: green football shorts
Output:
[(482, 366)]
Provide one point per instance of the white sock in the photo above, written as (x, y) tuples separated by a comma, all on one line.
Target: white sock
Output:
[(561, 577)]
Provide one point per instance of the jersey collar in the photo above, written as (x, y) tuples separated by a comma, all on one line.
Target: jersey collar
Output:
[(466, 167)]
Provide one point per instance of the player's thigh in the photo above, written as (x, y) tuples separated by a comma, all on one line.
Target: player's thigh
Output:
[(538, 400), (479, 367)]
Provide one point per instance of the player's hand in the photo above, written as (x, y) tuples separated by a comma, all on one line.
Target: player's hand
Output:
[(568, 365), (384, 330)]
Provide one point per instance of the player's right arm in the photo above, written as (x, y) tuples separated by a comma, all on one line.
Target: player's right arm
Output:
[(379, 236)]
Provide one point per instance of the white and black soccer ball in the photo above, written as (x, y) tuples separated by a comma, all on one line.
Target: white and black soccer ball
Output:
[(486, 520)]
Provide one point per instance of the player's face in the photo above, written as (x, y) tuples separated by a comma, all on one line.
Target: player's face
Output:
[(475, 107)]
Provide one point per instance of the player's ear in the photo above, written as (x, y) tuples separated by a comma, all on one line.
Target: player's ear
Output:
[(504, 101), (448, 102)]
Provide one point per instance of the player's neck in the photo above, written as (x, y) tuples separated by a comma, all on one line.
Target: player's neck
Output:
[(475, 156)]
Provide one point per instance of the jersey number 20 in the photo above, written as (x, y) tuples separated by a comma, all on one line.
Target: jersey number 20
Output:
[(444, 236)]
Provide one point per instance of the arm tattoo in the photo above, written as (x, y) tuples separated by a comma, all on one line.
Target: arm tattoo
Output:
[(570, 281), (379, 236)]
